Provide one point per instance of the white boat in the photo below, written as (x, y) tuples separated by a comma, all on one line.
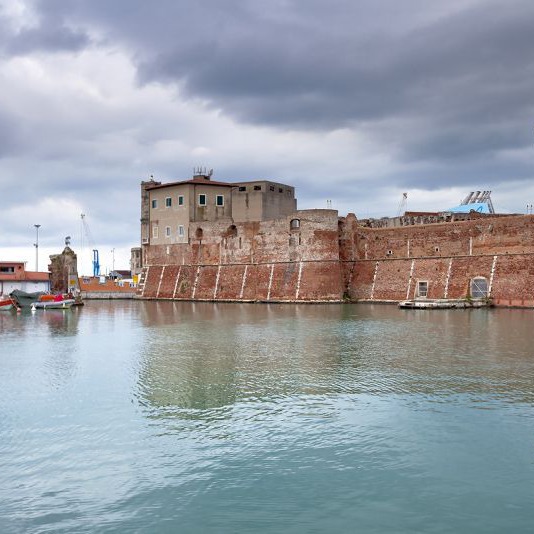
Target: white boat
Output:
[(52, 304), (430, 304)]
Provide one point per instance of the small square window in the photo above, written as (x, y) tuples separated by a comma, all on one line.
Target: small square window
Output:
[(242, 188), (271, 187), (219, 201), (180, 200), (201, 200), (168, 202), (257, 188), (154, 204), (280, 190), (167, 231)]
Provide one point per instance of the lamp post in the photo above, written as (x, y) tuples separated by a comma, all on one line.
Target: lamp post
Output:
[(113, 262), (37, 226)]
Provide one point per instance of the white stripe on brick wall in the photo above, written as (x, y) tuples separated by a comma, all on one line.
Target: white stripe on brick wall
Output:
[(176, 283), (270, 282), (298, 281), (217, 282), (410, 280), (243, 282), (374, 281), (445, 295), (160, 280)]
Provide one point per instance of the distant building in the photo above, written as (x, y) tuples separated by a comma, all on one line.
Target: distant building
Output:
[(13, 275)]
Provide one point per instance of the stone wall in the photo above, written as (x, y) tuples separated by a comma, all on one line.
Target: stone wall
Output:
[(326, 258), (275, 260)]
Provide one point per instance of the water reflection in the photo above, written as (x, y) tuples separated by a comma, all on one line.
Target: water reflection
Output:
[(200, 357), (195, 417), (57, 322)]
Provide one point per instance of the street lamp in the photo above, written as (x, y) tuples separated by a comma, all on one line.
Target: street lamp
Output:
[(37, 226)]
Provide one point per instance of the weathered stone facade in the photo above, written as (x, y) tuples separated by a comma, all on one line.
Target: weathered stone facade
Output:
[(63, 271), (314, 255)]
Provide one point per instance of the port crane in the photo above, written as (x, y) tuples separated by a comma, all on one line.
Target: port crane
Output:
[(87, 232), (403, 204)]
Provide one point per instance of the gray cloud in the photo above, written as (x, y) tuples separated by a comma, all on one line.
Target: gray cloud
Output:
[(326, 65)]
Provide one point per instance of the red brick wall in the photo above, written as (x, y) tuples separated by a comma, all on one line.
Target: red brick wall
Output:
[(330, 259)]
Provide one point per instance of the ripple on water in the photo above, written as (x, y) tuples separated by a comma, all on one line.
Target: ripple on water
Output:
[(149, 417)]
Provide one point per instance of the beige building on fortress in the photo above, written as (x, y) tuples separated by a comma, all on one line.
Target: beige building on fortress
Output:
[(167, 209)]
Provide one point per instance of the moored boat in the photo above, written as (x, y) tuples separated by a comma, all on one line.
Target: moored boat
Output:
[(52, 304), (6, 303), (40, 300), (23, 299), (443, 304)]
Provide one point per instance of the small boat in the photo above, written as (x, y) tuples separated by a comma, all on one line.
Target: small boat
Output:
[(6, 303), (42, 300), (63, 304), (23, 299), (443, 304)]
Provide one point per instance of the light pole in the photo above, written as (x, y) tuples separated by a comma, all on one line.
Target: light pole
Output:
[(37, 226), (113, 261)]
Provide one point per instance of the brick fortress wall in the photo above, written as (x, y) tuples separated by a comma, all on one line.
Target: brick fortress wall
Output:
[(385, 264), (331, 259), (251, 261)]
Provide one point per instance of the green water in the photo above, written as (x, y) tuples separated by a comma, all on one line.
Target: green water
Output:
[(220, 418)]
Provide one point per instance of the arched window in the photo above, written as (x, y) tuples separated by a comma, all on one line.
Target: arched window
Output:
[(232, 231), (479, 287), (294, 224)]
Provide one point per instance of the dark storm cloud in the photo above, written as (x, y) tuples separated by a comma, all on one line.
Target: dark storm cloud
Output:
[(459, 75), (49, 33)]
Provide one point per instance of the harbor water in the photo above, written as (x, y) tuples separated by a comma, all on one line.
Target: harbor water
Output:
[(151, 417)]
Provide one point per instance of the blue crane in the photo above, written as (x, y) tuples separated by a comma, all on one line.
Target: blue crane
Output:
[(96, 263)]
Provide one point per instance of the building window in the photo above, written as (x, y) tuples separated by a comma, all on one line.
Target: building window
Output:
[(155, 232), (201, 200), (180, 231), (232, 231), (242, 188), (271, 187), (168, 202), (167, 231), (257, 188), (479, 288), (422, 289), (294, 224), (154, 204), (7, 270), (180, 200), (280, 190), (219, 201)]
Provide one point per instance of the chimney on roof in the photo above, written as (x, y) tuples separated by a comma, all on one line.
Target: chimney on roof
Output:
[(202, 173)]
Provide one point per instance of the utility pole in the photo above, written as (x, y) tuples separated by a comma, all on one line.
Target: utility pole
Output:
[(113, 261), (36, 244)]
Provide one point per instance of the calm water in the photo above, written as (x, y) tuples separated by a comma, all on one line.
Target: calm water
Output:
[(222, 418)]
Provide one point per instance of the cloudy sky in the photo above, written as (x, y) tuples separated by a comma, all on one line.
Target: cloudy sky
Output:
[(353, 101)]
